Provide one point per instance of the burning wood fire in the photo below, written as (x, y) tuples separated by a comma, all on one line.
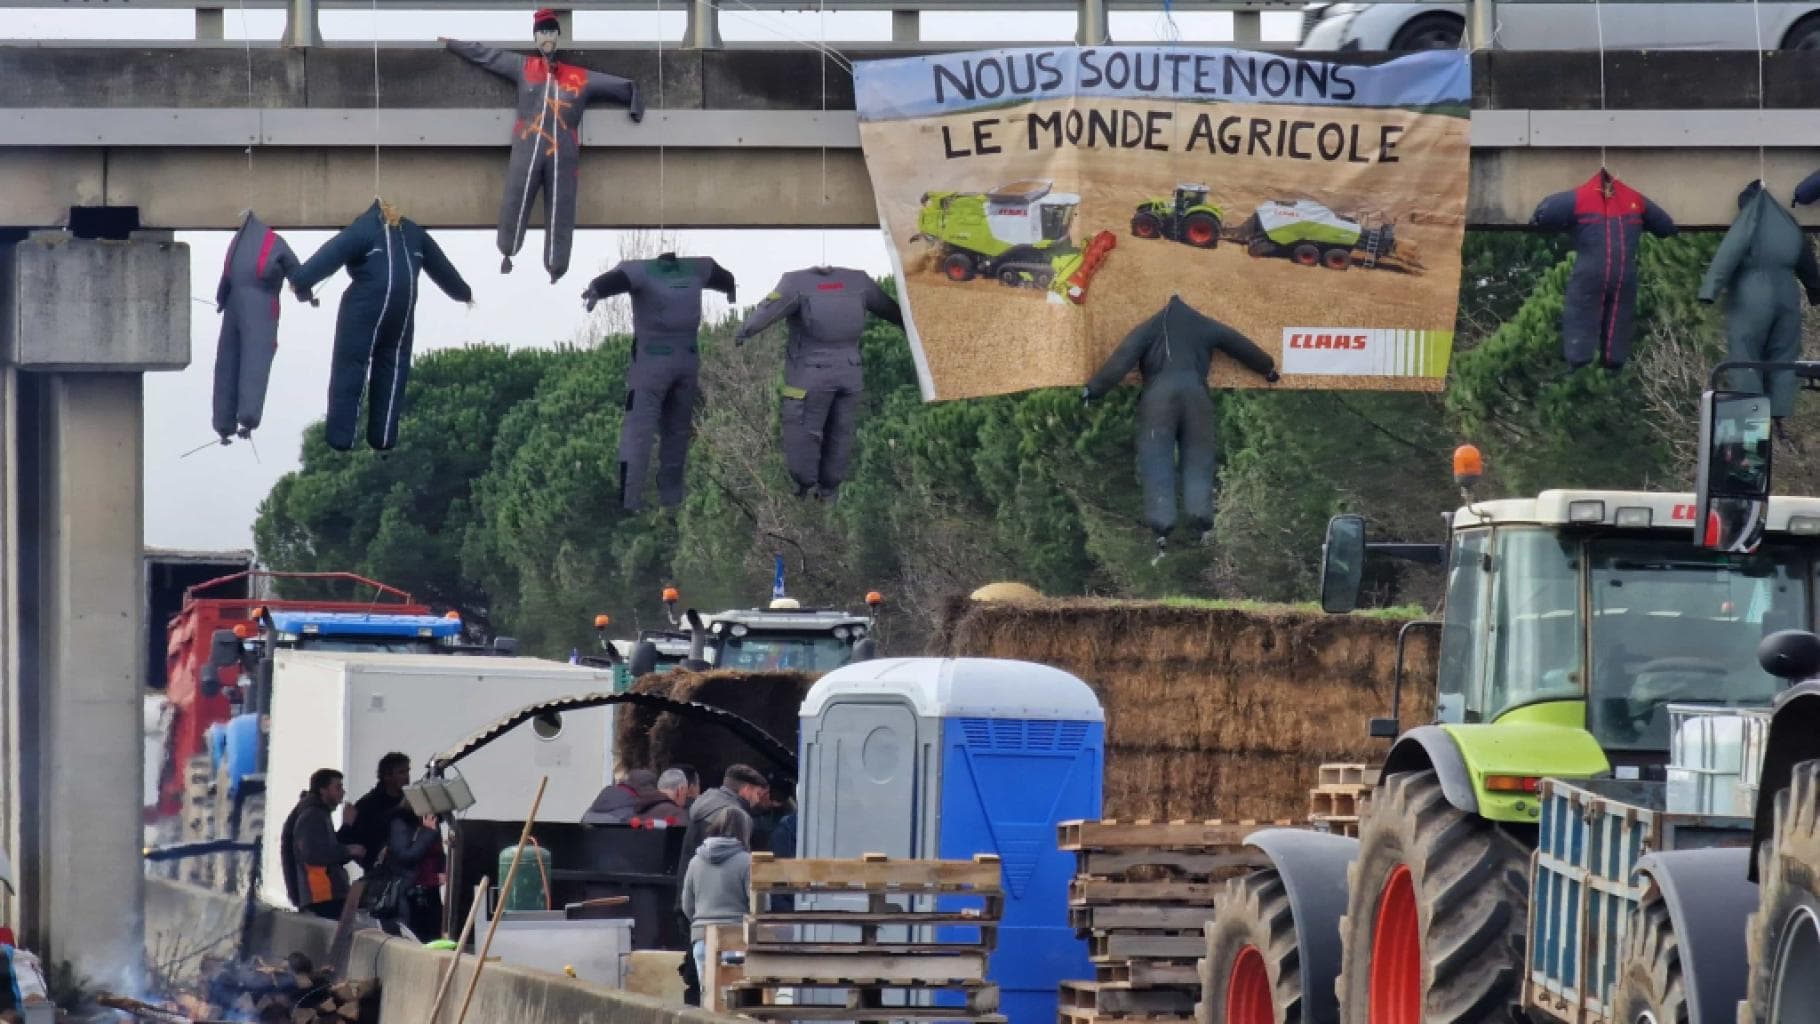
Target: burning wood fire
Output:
[(292, 991)]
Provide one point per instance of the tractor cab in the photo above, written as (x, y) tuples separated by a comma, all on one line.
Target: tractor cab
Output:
[(781, 637), (1187, 197), (1592, 610), (1029, 212)]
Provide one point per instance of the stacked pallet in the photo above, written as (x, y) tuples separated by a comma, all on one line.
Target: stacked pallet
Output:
[(1338, 799), (1141, 897), (865, 932)]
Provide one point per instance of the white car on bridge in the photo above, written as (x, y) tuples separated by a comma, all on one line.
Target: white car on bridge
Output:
[(1563, 26)]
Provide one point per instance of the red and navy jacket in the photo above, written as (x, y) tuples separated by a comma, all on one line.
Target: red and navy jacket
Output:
[(1605, 228)]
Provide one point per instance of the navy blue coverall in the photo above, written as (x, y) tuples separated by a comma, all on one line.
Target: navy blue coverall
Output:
[(374, 324), (257, 265), (1607, 219)]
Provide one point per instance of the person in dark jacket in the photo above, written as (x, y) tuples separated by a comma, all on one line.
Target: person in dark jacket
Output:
[(411, 839), (258, 264), (314, 861), (1174, 351), (661, 383), (368, 826), (546, 136), (1765, 263), (634, 797), (742, 788), (823, 382), (1607, 219), (383, 253)]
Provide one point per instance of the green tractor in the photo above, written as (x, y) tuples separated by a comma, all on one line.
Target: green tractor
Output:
[(1019, 234), (1313, 235), (1574, 626), (1187, 217)]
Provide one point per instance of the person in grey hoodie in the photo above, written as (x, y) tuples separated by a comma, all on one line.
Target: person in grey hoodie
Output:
[(715, 888)]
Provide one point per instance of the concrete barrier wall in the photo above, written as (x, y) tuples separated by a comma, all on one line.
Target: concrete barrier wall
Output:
[(184, 923)]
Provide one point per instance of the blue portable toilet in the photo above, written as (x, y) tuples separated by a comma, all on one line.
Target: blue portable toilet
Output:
[(949, 757)]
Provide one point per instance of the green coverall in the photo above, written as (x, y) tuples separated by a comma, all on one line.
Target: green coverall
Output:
[(1759, 261)]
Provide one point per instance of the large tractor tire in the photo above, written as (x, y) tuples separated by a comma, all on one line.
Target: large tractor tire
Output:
[(1435, 913), (958, 266), (1784, 934), (1201, 230), (1307, 254), (1253, 974), (1651, 989), (1147, 225)]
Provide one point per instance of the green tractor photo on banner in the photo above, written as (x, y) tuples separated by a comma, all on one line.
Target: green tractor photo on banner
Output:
[(1019, 233), (1309, 233), (1186, 217)]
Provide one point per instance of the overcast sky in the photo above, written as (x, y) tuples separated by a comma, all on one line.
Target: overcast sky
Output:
[(209, 500)]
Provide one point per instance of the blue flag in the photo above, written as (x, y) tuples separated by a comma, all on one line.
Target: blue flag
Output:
[(777, 582)]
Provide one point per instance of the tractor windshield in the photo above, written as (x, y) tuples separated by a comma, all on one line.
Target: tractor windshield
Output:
[(1056, 219), (1673, 624), (784, 652)]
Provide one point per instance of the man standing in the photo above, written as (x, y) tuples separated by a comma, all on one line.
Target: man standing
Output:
[(369, 823), (742, 791), (314, 860), (553, 94)]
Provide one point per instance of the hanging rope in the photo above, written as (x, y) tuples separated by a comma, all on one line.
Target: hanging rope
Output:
[(1599, 20), (1762, 160), (845, 63), (246, 36), (822, 32), (662, 212), (377, 192)]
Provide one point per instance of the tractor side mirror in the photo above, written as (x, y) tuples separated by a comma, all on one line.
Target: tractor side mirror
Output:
[(224, 649), (865, 650), (1790, 654), (1731, 484), (505, 646), (211, 680), (1342, 563)]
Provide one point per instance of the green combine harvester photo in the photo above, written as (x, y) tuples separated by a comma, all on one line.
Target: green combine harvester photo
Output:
[(1311, 234), (1019, 233)]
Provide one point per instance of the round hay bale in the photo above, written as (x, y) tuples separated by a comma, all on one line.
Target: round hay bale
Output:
[(1009, 591)]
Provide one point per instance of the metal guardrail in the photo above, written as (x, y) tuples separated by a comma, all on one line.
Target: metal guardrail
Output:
[(702, 29)]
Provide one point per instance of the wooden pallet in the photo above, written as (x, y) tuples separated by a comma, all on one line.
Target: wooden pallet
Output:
[(1149, 973), (796, 966), (1339, 825), (1335, 801), (865, 999), (1123, 999), (1063, 1016), (1112, 834), (1209, 864), (1126, 917), (1084, 892), (1346, 775), (1110, 946), (874, 872)]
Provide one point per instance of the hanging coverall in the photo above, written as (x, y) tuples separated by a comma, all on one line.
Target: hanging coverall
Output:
[(1607, 219), (1174, 350), (1760, 260), (546, 143), (823, 383), (252, 276), (374, 325), (661, 386)]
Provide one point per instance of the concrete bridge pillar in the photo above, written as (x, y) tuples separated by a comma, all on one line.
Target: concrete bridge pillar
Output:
[(82, 321)]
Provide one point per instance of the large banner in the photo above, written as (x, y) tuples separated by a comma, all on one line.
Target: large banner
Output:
[(1042, 202)]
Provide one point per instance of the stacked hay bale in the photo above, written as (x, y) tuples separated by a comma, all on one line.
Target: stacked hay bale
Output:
[(1211, 712), (648, 739)]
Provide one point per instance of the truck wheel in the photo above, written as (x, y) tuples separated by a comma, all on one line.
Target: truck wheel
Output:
[(958, 266), (1146, 225), (1307, 254), (1201, 230), (1253, 973), (1336, 259), (1783, 938), (1435, 912), (1650, 985)]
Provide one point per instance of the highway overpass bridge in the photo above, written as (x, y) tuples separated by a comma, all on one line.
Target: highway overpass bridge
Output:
[(164, 130)]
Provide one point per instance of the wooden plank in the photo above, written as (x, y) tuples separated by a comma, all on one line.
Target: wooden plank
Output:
[(830, 968), (1077, 1016), (720, 938), (1143, 973), (1086, 891), (882, 948), (1196, 863), (1147, 1001), (980, 875), (834, 915), (1154, 947), (1181, 835), (1139, 917), (867, 1016)]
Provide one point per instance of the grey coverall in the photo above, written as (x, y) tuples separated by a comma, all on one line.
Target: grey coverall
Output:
[(1174, 350), (823, 382), (661, 387), (546, 143), (257, 266), (1760, 260)]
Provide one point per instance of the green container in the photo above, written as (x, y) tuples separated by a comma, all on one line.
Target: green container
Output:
[(531, 882)]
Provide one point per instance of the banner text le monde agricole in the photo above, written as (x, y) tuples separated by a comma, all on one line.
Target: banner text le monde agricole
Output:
[(1042, 202)]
